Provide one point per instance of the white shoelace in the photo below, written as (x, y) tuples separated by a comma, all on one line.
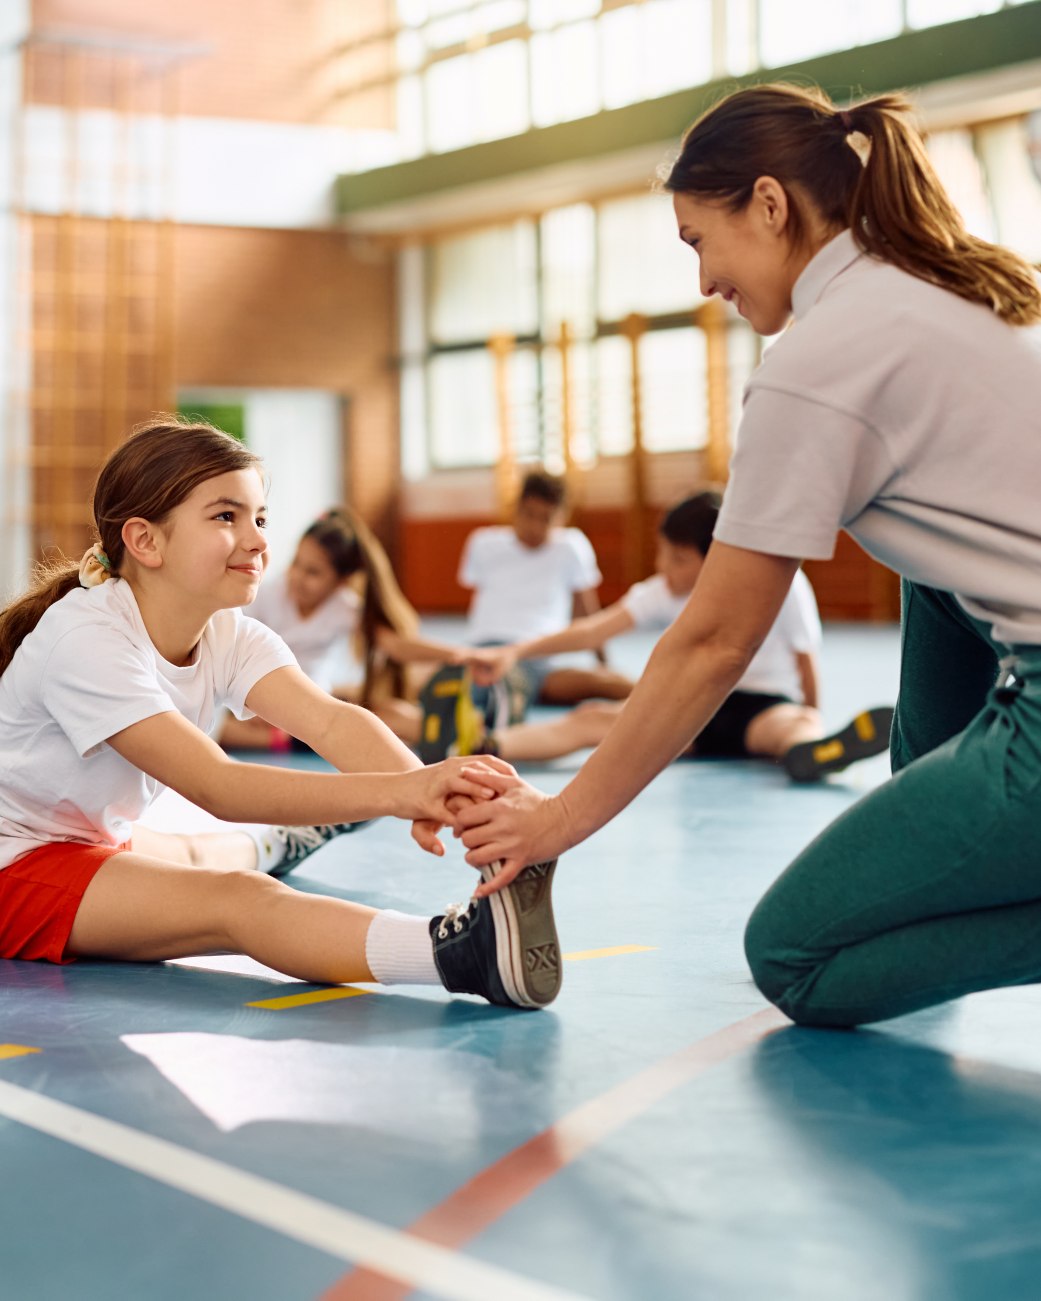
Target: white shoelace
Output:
[(454, 913), (300, 840)]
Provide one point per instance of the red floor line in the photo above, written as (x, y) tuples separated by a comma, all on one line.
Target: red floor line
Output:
[(491, 1194)]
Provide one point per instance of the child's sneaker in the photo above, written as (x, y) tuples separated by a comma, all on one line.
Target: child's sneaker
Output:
[(298, 843), (503, 947), (866, 735), (451, 722)]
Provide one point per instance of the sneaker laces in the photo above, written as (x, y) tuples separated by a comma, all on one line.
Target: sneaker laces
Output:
[(301, 840), (455, 913)]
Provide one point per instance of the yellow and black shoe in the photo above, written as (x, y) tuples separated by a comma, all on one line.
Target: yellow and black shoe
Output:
[(451, 722), (866, 735)]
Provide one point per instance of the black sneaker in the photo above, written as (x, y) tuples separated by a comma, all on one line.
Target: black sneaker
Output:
[(451, 723), (301, 842), (503, 947), (866, 735)]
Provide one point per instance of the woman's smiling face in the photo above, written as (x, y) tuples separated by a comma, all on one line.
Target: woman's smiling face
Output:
[(746, 256)]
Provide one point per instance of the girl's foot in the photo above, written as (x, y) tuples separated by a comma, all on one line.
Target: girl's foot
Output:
[(280, 849), (503, 947)]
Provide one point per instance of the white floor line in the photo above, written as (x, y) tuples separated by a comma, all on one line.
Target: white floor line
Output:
[(315, 1223)]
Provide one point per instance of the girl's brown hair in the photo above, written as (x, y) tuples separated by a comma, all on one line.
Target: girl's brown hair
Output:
[(893, 203), (158, 466), (353, 548)]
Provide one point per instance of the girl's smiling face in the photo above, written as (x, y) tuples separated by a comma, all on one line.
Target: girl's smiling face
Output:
[(746, 256), (213, 545)]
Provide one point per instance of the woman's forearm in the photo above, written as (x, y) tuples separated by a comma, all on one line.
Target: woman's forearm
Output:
[(678, 694)]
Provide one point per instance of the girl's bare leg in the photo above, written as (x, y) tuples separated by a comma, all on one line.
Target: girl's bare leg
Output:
[(586, 726), (140, 909), (772, 733), (231, 849)]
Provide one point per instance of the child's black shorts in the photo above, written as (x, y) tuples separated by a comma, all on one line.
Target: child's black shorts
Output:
[(724, 737)]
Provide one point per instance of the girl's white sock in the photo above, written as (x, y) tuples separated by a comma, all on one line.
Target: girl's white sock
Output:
[(271, 849), (399, 950)]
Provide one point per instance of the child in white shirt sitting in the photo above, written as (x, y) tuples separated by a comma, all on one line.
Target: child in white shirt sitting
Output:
[(773, 712)]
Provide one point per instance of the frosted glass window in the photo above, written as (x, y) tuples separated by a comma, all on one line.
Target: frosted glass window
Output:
[(569, 270), (464, 427), (549, 13), (791, 30), (564, 82), (650, 49), (742, 360), (1004, 149), (410, 133), (523, 404), (956, 164), (501, 90), (415, 459), (644, 266), (674, 400), (741, 49), (450, 101), (613, 408), (583, 446), (497, 14), (925, 13), (484, 284), (678, 44)]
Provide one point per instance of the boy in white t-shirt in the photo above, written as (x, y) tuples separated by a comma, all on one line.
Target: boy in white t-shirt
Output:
[(772, 714), (530, 578)]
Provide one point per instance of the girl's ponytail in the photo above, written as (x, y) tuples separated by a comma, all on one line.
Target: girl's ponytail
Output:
[(50, 583)]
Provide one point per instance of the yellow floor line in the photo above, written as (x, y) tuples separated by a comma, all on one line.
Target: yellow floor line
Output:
[(315, 996), (348, 991), (617, 951), (16, 1050)]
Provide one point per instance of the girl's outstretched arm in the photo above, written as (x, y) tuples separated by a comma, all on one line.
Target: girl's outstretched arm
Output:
[(386, 778), (693, 669)]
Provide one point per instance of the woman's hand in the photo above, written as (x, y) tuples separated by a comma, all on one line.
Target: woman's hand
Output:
[(443, 789), (521, 826)]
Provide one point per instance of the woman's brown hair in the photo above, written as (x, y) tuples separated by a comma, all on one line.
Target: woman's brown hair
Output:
[(158, 466), (352, 548), (864, 167)]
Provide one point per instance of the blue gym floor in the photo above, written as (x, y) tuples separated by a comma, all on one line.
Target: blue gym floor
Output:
[(209, 1130)]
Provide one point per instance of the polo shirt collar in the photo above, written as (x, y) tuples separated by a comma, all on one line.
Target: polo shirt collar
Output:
[(829, 262)]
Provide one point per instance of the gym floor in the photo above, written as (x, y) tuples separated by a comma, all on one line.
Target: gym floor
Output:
[(209, 1129)]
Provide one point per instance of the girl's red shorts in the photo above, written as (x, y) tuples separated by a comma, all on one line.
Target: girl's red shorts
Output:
[(40, 895)]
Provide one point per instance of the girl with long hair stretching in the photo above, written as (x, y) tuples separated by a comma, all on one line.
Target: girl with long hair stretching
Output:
[(904, 406), (111, 673), (316, 609)]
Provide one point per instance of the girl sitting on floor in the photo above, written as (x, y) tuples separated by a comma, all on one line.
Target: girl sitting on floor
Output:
[(113, 671)]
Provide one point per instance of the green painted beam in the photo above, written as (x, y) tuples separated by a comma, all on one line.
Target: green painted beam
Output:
[(913, 59)]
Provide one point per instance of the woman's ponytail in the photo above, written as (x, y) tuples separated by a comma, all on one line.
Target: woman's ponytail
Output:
[(900, 212), (864, 167)]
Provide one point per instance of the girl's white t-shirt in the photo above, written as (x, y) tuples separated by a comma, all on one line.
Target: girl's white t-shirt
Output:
[(87, 671), (773, 670), (321, 641)]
